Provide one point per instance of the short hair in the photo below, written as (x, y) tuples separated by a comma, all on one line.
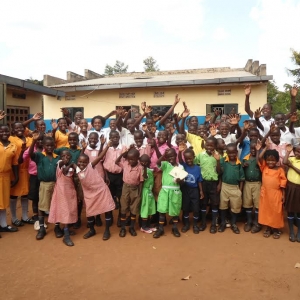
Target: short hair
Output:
[(84, 155), (269, 153), (134, 152), (4, 125), (48, 138), (36, 122), (113, 132), (93, 132), (15, 123), (224, 123), (212, 139), (279, 113), (75, 134), (189, 151), (138, 132), (254, 129), (59, 119), (231, 145), (145, 156), (102, 119)]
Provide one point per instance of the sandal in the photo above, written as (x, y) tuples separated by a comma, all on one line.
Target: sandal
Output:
[(267, 233), (276, 234), (17, 223)]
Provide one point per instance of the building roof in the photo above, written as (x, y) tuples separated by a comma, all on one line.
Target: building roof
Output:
[(210, 76), (15, 82)]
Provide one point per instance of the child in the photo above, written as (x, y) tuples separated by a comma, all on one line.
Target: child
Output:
[(233, 178), (132, 188), (63, 207), (170, 197), (21, 189), (98, 122), (251, 190), (46, 162), (138, 140), (209, 161), (292, 200), (97, 197), (40, 125), (249, 134), (272, 192), (60, 134), (192, 190), (83, 135), (221, 147), (8, 163), (148, 207), (225, 134)]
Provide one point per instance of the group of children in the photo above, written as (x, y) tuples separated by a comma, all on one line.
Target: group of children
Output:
[(148, 170)]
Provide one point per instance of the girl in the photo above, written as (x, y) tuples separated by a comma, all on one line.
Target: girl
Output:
[(8, 163), (63, 207), (97, 197), (22, 188), (292, 202), (98, 122), (60, 134), (83, 135), (148, 203), (272, 193)]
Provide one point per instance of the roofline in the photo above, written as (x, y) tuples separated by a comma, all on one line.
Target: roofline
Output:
[(196, 82), (31, 86)]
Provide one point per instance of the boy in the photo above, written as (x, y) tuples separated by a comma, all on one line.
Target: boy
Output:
[(46, 166), (251, 192), (233, 178), (132, 188)]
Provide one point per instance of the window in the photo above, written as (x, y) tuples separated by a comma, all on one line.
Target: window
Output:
[(159, 94), (16, 114), (224, 108), (136, 108), (126, 95), (160, 109), (73, 111), (19, 95), (224, 92)]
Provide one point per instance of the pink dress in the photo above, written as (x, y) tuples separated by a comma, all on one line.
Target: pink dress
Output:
[(64, 200), (97, 197), (92, 154)]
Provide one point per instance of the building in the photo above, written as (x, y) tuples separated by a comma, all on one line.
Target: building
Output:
[(21, 99), (202, 89)]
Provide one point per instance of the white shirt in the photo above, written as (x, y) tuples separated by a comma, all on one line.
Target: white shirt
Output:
[(286, 136), (230, 138), (265, 123)]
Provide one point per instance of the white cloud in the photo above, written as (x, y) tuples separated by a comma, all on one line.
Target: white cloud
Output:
[(220, 34)]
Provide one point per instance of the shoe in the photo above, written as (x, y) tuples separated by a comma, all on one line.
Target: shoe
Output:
[(176, 232), (222, 227), (146, 230), (89, 234), (17, 223), (41, 233), (36, 225), (235, 229), (132, 231), (98, 221), (247, 227), (106, 235), (213, 229), (292, 238), (196, 229), (185, 228), (228, 225), (202, 227), (77, 225), (256, 228), (58, 231), (28, 221), (153, 229), (8, 229), (122, 232), (67, 241), (158, 233)]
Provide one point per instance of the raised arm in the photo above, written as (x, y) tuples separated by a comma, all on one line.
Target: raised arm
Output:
[(185, 114), (244, 133), (147, 111), (259, 156), (100, 155), (293, 92), (247, 90), (293, 119), (35, 117), (257, 115), (35, 136), (112, 113), (121, 156), (153, 144), (169, 112)]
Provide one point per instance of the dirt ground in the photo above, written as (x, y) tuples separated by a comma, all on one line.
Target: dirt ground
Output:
[(222, 266)]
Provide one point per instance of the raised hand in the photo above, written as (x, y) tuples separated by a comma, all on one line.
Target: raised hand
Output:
[(143, 106), (65, 111), (144, 127), (294, 91), (217, 112), (216, 155), (268, 143), (54, 124), (177, 99), (119, 110), (102, 139), (50, 134), (246, 125), (186, 113), (153, 129), (109, 143), (258, 145), (182, 147), (257, 113), (83, 144), (233, 119), (294, 117), (247, 89), (35, 135), (207, 118), (232, 111), (184, 105), (272, 127), (148, 109), (2, 114), (289, 148), (213, 130), (37, 116)]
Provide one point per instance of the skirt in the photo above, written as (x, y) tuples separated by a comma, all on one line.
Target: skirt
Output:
[(292, 197)]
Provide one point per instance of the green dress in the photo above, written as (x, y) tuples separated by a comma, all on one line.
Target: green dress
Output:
[(148, 202)]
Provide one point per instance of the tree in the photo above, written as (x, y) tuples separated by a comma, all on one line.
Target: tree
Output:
[(296, 60), (118, 68), (150, 64), (35, 81)]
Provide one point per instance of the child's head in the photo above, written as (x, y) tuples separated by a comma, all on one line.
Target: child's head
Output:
[(137, 115), (296, 150), (73, 140), (192, 129), (113, 124), (252, 124), (224, 118), (78, 117), (232, 151), (253, 134), (40, 141), (133, 156), (275, 135), (202, 130), (180, 138), (267, 110), (82, 161), (4, 133), (272, 158), (210, 145), (149, 123), (162, 137), (171, 156), (93, 139), (224, 129), (253, 148), (192, 121), (98, 122), (40, 125), (280, 120), (189, 156), (62, 124), (145, 160), (138, 138), (114, 136), (48, 144), (18, 129), (221, 145), (130, 125), (83, 124), (66, 157), (169, 126)]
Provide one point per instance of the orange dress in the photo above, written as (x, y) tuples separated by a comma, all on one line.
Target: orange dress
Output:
[(22, 187), (270, 205), (8, 158)]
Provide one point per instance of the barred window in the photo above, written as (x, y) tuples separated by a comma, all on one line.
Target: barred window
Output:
[(224, 92), (126, 95), (159, 94)]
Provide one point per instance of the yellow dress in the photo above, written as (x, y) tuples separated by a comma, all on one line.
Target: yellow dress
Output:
[(8, 158)]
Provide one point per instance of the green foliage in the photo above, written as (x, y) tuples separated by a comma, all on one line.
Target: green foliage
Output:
[(118, 68), (35, 81), (150, 64), (296, 60)]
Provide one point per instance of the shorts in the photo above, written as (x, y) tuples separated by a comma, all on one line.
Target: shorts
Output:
[(130, 199), (34, 186), (210, 193), (169, 201), (45, 195), (190, 199), (231, 194), (251, 194)]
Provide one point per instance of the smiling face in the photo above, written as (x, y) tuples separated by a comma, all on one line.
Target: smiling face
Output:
[(93, 139), (267, 111), (49, 146), (83, 124), (138, 138), (97, 124), (4, 133), (271, 161), (189, 158), (40, 126), (202, 130), (209, 147), (130, 123), (162, 137), (253, 135), (73, 140), (82, 162), (180, 138), (275, 136), (113, 124), (253, 149), (192, 129), (62, 125), (115, 138), (280, 120), (171, 156), (18, 129), (224, 129), (77, 117), (65, 157), (232, 153)]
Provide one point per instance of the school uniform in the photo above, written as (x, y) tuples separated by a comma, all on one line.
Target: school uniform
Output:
[(61, 139), (148, 207), (195, 141)]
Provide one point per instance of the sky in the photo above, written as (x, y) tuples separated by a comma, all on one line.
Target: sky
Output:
[(53, 37)]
